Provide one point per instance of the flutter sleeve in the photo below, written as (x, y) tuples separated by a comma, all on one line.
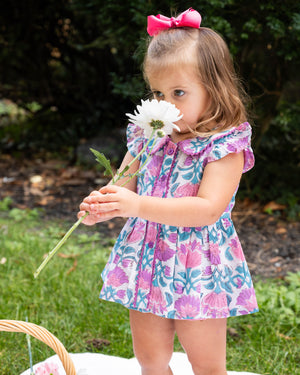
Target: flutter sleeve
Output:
[(233, 141), (135, 139)]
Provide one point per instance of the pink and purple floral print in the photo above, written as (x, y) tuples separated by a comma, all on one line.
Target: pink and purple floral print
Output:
[(47, 369), (181, 272)]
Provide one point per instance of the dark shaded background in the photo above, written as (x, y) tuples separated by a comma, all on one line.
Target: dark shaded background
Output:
[(73, 67)]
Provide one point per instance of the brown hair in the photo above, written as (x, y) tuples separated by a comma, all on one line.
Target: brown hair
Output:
[(214, 65)]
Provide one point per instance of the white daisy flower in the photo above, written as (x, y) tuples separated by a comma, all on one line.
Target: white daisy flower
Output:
[(151, 115), (158, 115)]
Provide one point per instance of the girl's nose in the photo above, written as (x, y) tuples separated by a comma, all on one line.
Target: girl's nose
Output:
[(169, 99)]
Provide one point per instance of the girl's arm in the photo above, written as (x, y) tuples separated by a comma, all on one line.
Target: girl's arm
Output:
[(220, 180), (131, 185), (94, 217)]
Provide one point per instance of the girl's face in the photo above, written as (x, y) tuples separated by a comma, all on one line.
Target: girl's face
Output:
[(182, 88)]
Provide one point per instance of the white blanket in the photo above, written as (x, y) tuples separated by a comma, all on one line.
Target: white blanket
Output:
[(100, 364)]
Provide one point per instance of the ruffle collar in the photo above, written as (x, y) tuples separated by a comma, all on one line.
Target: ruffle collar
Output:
[(195, 146)]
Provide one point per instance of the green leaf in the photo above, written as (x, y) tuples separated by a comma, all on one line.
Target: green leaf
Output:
[(104, 162)]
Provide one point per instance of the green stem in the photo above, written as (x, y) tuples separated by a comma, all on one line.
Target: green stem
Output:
[(58, 246), (118, 177), (29, 351), (121, 174), (134, 174)]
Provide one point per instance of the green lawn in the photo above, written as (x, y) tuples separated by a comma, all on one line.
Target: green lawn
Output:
[(67, 304)]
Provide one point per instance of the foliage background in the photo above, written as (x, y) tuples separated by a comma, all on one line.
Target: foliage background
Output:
[(73, 69)]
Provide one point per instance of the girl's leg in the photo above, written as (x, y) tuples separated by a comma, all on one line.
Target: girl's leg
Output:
[(204, 341), (153, 339)]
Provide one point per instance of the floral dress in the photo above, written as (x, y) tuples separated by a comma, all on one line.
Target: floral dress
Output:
[(181, 272)]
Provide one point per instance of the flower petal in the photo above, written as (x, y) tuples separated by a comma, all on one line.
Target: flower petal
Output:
[(153, 110)]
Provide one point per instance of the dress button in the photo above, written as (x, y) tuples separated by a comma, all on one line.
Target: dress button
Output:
[(171, 151)]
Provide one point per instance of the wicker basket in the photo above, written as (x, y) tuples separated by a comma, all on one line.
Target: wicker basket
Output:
[(43, 335)]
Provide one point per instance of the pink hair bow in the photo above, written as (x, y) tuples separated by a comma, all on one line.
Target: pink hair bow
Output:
[(189, 18)]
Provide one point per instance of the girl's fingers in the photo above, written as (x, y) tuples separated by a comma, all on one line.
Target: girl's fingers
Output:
[(106, 207), (95, 193), (100, 204), (84, 207), (99, 198), (92, 198), (92, 219), (80, 214), (88, 220), (95, 208), (109, 189)]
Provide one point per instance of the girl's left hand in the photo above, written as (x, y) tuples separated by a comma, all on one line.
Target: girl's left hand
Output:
[(112, 201)]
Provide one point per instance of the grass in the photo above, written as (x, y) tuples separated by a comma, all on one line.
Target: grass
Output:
[(66, 303)]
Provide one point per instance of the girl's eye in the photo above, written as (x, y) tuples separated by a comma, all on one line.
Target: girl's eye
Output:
[(179, 93), (158, 94)]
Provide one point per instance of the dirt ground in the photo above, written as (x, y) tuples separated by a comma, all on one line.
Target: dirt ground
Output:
[(271, 245)]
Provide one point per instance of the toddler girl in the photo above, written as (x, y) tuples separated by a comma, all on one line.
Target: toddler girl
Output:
[(178, 264)]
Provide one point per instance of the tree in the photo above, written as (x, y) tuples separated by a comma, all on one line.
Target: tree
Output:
[(81, 62)]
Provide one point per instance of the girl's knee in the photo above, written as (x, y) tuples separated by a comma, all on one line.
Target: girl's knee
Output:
[(152, 358), (208, 371), (207, 368), (205, 345), (157, 363), (152, 338)]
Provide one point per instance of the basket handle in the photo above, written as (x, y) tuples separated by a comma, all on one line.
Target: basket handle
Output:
[(43, 335)]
